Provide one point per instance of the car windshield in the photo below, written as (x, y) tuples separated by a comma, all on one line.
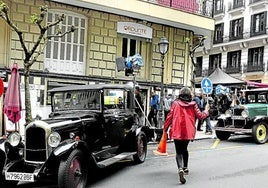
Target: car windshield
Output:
[(77, 100)]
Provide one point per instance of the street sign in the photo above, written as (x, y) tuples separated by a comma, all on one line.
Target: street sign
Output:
[(206, 86), (218, 89)]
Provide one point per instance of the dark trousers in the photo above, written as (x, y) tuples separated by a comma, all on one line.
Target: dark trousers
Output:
[(166, 113), (152, 116), (199, 124), (182, 154)]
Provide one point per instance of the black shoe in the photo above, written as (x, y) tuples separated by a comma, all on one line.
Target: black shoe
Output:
[(181, 176), (199, 129)]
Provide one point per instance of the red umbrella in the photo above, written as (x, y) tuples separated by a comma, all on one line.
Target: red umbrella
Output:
[(12, 101)]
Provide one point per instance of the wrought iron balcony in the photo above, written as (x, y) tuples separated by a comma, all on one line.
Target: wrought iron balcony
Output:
[(255, 68), (198, 72), (232, 70), (256, 1), (200, 7), (239, 4)]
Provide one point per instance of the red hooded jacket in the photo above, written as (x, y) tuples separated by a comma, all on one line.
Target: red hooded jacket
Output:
[(182, 116)]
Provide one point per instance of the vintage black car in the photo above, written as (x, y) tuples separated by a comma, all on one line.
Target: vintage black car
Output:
[(250, 118), (90, 125)]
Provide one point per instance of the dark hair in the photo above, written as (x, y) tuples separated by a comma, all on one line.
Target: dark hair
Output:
[(137, 88), (185, 94)]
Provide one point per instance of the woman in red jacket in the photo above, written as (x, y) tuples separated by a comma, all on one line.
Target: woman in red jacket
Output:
[(182, 117)]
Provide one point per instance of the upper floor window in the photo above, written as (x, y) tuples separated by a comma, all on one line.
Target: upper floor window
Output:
[(131, 47), (255, 57), (218, 6), (258, 24), (233, 62), (198, 68), (236, 29), (238, 3), (214, 62), (218, 36), (67, 54)]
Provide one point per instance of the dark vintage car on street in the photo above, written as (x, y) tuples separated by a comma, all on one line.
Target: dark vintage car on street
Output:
[(250, 118), (90, 125)]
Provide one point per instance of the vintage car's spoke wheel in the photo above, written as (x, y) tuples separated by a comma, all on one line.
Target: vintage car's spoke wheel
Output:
[(223, 135), (73, 171), (259, 133), (140, 156)]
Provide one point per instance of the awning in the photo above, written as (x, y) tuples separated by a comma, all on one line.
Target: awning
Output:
[(256, 84)]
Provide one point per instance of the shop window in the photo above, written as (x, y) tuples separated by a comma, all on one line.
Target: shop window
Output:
[(131, 47)]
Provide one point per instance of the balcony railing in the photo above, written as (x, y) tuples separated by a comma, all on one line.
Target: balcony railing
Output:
[(199, 7), (240, 4), (255, 1), (198, 72), (219, 11), (255, 68), (233, 70)]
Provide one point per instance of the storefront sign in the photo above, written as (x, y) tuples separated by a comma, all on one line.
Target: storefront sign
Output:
[(134, 29)]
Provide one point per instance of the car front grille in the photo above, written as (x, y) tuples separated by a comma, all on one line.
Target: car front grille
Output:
[(237, 112), (237, 120), (35, 144)]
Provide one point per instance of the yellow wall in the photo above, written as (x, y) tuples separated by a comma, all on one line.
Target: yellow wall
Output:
[(103, 43)]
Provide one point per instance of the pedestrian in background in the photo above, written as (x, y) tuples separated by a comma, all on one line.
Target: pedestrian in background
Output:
[(199, 102), (167, 104), (242, 98), (182, 117), (207, 100), (152, 116)]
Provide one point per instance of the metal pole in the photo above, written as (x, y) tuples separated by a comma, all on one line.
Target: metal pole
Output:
[(161, 117)]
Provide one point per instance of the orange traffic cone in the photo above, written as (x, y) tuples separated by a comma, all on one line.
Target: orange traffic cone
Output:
[(162, 146)]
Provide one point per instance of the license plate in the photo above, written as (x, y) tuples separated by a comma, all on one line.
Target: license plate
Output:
[(17, 176)]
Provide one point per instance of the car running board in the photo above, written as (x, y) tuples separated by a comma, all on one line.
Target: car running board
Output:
[(114, 159)]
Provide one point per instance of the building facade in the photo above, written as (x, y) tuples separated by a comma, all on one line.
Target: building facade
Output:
[(240, 41), (106, 30)]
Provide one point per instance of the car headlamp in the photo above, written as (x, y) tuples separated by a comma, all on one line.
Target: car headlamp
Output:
[(14, 139), (54, 139), (244, 113), (228, 113)]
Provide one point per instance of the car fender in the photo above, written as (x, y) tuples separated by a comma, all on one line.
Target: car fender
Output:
[(64, 148), (258, 119), (67, 147)]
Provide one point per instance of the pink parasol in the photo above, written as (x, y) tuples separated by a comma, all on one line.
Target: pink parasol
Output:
[(12, 101)]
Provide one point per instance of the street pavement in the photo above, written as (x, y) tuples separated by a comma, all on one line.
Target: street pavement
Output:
[(201, 134)]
